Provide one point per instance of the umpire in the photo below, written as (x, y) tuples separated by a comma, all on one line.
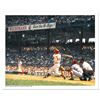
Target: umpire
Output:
[(87, 70)]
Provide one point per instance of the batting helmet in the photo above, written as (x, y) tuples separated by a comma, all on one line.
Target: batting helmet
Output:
[(56, 51)]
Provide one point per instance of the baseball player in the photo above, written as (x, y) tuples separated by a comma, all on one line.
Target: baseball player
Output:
[(19, 66), (75, 70), (87, 70), (55, 68)]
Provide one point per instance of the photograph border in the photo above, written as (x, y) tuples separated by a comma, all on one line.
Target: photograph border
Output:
[(2, 48)]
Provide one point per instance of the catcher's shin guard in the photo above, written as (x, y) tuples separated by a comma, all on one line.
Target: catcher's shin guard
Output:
[(63, 76)]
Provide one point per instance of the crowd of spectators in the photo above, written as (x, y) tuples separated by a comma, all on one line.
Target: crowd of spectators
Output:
[(36, 60), (30, 57), (24, 20), (85, 50), (39, 57)]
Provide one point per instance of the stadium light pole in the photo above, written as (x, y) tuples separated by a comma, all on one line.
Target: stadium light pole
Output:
[(19, 42), (81, 37), (48, 40)]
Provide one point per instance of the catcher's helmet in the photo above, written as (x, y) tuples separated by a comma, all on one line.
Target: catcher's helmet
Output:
[(74, 62)]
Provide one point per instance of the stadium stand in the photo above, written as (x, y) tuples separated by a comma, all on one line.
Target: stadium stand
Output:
[(34, 47)]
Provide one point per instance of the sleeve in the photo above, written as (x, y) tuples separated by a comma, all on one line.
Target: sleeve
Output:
[(72, 66)]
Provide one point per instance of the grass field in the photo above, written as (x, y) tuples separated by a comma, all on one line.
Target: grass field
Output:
[(36, 82), (29, 80)]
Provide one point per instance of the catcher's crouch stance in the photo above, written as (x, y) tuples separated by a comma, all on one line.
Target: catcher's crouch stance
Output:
[(56, 66)]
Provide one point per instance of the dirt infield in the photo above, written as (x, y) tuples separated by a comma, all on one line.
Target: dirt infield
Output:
[(51, 79)]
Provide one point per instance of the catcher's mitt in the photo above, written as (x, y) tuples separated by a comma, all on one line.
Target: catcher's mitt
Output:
[(68, 69)]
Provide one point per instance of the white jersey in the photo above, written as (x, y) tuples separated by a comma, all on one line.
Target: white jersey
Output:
[(20, 66), (20, 63), (86, 66), (77, 68), (55, 68), (57, 58)]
